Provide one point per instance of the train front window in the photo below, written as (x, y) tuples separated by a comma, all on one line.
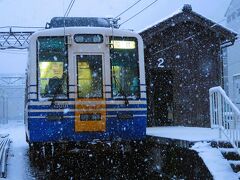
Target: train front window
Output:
[(52, 62), (124, 67), (89, 69)]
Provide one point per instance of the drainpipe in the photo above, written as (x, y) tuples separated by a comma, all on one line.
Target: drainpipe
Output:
[(223, 46)]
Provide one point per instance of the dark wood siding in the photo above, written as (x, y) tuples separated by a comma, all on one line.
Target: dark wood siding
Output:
[(191, 53)]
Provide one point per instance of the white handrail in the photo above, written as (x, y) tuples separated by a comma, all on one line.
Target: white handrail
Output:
[(225, 116)]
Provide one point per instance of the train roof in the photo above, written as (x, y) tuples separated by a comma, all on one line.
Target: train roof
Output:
[(84, 30), (57, 22)]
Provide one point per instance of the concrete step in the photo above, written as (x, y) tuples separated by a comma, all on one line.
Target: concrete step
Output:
[(227, 150), (233, 158), (235, 164), (221, 144), (230, 155)]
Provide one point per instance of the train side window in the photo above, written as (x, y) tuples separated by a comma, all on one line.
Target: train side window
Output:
[(89, 78), (52, 66), (125, 68)]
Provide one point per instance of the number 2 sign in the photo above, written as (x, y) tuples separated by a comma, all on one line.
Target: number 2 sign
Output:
[(160, 63)]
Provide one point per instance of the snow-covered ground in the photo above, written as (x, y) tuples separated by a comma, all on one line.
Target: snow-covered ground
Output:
[(217, 165), (18, 163), (185, 133), (212, 157)]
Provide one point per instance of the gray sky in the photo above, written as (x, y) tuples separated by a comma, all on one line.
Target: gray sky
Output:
[(38, 12)]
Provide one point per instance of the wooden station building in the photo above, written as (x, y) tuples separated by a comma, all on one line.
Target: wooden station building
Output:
[(183, 60)]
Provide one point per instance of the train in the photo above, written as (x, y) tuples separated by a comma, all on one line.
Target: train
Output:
[(85, 82)]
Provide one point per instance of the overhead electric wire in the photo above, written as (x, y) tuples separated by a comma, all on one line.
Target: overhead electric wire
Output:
[(65, 14), (138, 12), (128, 9), (69, 8)]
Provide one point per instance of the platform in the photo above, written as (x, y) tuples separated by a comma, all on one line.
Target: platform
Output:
[(199, 140), (191, 134)]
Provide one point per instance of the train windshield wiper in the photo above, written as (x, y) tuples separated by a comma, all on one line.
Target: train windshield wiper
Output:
[(57, 88), (120, 90), (124, 95), (54, 98)]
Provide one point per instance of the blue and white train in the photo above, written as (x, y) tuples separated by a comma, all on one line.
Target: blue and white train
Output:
[(85, 83)]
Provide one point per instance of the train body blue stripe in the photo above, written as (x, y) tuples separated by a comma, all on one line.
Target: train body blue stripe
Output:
[(124, 111), (63, 100), (111, 106), (33, 100), (43, 130), (108, 106), (32, 93), (50, 107), (112, 99), (107, 99), (53, 113)]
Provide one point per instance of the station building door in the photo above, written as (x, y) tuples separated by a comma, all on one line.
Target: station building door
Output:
[(163, 97)]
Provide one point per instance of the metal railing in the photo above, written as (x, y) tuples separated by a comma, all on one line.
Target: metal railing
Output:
[(225, 116), (4, 147)]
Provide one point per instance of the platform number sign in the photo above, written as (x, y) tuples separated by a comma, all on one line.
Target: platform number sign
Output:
[(160, 63)]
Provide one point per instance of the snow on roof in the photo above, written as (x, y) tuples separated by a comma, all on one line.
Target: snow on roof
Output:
[(208, 22), (161, 20), (80, 22), (229, 28)]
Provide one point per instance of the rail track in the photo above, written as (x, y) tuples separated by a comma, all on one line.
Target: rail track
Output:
[(4, 147)]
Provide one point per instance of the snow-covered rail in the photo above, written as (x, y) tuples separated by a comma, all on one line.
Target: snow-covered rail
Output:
[(225, 116), (4, 146)]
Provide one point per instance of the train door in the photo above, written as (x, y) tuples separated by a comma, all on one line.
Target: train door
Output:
[(90, 104), (163, 97)]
